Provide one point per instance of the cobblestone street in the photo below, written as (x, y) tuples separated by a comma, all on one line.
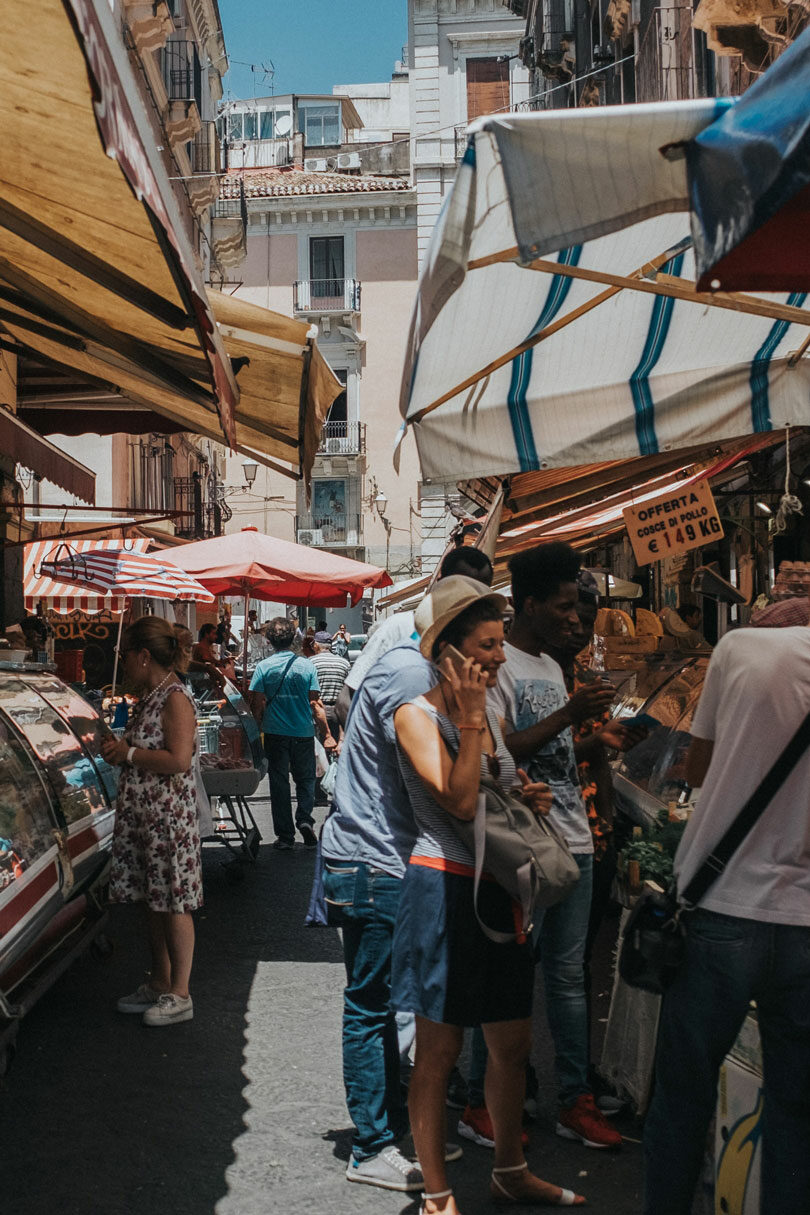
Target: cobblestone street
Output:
[(241, 1110)]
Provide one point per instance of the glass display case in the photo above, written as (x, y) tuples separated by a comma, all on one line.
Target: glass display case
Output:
[(56, 812), (651, 775)]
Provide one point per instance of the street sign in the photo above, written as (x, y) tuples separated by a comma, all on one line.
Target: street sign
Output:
[(673, 523)]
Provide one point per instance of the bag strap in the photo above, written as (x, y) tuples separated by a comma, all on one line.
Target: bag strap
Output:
[(764, 793), (526, 876), (280, 682)]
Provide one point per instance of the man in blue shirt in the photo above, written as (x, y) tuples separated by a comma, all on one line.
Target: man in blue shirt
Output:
[(366, 843), (284, 695)]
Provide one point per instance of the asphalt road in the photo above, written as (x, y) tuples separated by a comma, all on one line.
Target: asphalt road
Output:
[(240, 1111)]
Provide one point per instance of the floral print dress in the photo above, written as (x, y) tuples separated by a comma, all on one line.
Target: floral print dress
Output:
[(156, 847)]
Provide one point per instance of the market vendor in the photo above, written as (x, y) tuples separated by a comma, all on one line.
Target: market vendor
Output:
[(201, 652), (683, 623)]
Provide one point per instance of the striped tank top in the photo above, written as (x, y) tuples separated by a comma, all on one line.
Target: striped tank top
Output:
[(436, 837)]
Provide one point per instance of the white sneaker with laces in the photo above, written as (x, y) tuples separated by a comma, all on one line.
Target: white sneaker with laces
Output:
[(389, 1170), (169, 1009), (139, 1000)]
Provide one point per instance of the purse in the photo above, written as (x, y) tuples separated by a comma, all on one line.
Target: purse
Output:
[(654, 938), (524, 853)]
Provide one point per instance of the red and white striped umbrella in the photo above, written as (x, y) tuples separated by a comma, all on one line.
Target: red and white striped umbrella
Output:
[(119, 571)]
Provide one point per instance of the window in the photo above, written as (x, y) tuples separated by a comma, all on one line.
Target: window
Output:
[(326, 267), (234, 128), (487, 86), (266, 124), (320, 125), (250, 123), (338, 411)]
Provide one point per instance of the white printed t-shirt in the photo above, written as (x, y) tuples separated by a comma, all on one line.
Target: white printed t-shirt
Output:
[(756, 693), (529, 689)]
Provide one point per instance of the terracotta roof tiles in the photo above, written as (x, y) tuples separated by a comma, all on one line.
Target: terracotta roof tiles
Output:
[(277, 183)]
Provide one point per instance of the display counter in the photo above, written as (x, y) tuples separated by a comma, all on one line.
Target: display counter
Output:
[(56, 818)]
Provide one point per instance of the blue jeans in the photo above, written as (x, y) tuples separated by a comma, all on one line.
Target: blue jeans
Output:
[(560, 936), (367, 901), (286, 755), (729, 962)]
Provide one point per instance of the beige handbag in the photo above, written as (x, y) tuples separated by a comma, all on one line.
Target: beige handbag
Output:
[(524, 853)]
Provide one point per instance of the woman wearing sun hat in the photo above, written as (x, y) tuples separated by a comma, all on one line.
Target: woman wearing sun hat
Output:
[(445, 969)]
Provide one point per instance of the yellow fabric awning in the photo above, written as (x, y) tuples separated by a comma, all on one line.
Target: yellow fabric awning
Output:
[(97, 269)]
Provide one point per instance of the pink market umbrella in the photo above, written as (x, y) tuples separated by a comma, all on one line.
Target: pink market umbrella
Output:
[(253, 565), (119, 571)]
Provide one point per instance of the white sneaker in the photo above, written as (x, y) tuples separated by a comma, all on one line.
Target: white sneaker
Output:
[(168, 1009), (388, 1169), (140, 1000)]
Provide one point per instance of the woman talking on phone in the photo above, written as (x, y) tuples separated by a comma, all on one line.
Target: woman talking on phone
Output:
[(445, 969)]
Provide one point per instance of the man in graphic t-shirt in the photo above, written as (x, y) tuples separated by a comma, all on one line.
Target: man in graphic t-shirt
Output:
[(532, 698), (748, 939)]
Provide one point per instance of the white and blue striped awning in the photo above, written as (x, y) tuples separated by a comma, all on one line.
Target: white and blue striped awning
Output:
[(548, 214)]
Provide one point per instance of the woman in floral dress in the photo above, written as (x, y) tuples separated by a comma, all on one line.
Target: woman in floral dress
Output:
[(156, 847)]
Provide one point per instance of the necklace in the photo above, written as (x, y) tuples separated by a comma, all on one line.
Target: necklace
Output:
[(158, 686)]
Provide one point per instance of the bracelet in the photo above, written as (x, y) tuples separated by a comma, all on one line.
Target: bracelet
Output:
[(466, 726), (130, 754)]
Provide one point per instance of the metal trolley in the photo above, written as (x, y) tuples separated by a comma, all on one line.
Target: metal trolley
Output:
[(232, 764)]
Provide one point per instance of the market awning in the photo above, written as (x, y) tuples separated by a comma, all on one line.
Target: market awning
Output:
[(63, 596), (749, 184), (97, 269), (23, 445), (286, 385), (286, 388), (583, 506), (557, 321)]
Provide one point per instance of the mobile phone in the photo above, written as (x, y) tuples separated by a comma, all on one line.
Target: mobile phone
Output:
[(455, 656), (642, 719)]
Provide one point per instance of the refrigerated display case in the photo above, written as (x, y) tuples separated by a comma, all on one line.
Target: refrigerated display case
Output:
[(650, 776), (56, 824)]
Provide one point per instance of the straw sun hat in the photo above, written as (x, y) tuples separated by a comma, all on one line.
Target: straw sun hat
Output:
[(448, 599)]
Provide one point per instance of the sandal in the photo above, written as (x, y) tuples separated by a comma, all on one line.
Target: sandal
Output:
[(501, 1194), (441, 1194)]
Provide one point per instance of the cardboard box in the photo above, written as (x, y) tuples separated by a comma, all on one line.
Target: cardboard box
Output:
[(738, 1130)]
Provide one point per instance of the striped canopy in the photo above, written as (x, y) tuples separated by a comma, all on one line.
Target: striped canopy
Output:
[(114, 573), (557, 321)]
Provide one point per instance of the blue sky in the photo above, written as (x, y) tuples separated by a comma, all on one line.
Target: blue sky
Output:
[(313, 44)]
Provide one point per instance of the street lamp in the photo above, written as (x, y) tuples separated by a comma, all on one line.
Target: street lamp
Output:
[(249, 470), (381, 501)]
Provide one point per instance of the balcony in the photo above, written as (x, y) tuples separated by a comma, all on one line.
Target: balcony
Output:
[(205, 517), (342, 439), (263, 153), (205, 165), (320, 295), (328, 531)]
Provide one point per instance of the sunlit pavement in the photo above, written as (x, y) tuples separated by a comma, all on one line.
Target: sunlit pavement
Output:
[(240, 1111)]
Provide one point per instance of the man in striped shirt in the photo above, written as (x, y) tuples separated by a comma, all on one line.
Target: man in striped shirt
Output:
[(332, 671)]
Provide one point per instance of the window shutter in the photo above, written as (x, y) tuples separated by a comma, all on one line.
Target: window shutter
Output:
[(487, 87)]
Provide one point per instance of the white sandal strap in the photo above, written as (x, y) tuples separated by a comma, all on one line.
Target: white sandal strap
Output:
[(566, 1198), (441, 1194), (513, 1168)]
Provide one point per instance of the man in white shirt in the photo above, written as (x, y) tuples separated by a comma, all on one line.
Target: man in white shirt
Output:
[(532, 698), (749, 938)]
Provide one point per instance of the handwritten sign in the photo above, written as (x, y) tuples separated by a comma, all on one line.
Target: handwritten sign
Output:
[(673, 523)]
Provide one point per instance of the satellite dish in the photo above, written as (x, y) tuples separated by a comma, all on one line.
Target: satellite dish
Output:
[(283, 124)]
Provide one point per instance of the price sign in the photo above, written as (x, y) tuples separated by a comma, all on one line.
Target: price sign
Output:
[(673, 523)]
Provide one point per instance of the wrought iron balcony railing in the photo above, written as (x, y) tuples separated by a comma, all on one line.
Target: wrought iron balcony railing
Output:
[(342, 439), (326, 295), (328, 531)]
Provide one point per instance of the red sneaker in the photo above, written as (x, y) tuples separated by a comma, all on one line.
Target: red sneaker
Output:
[(583, 1121), (476, 1124)]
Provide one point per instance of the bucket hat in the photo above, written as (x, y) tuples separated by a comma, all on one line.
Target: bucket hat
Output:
[(448, 599)]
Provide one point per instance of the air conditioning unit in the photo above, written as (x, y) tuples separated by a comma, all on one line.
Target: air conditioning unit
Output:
[(316, 165), (313, 536), (348, 160)]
